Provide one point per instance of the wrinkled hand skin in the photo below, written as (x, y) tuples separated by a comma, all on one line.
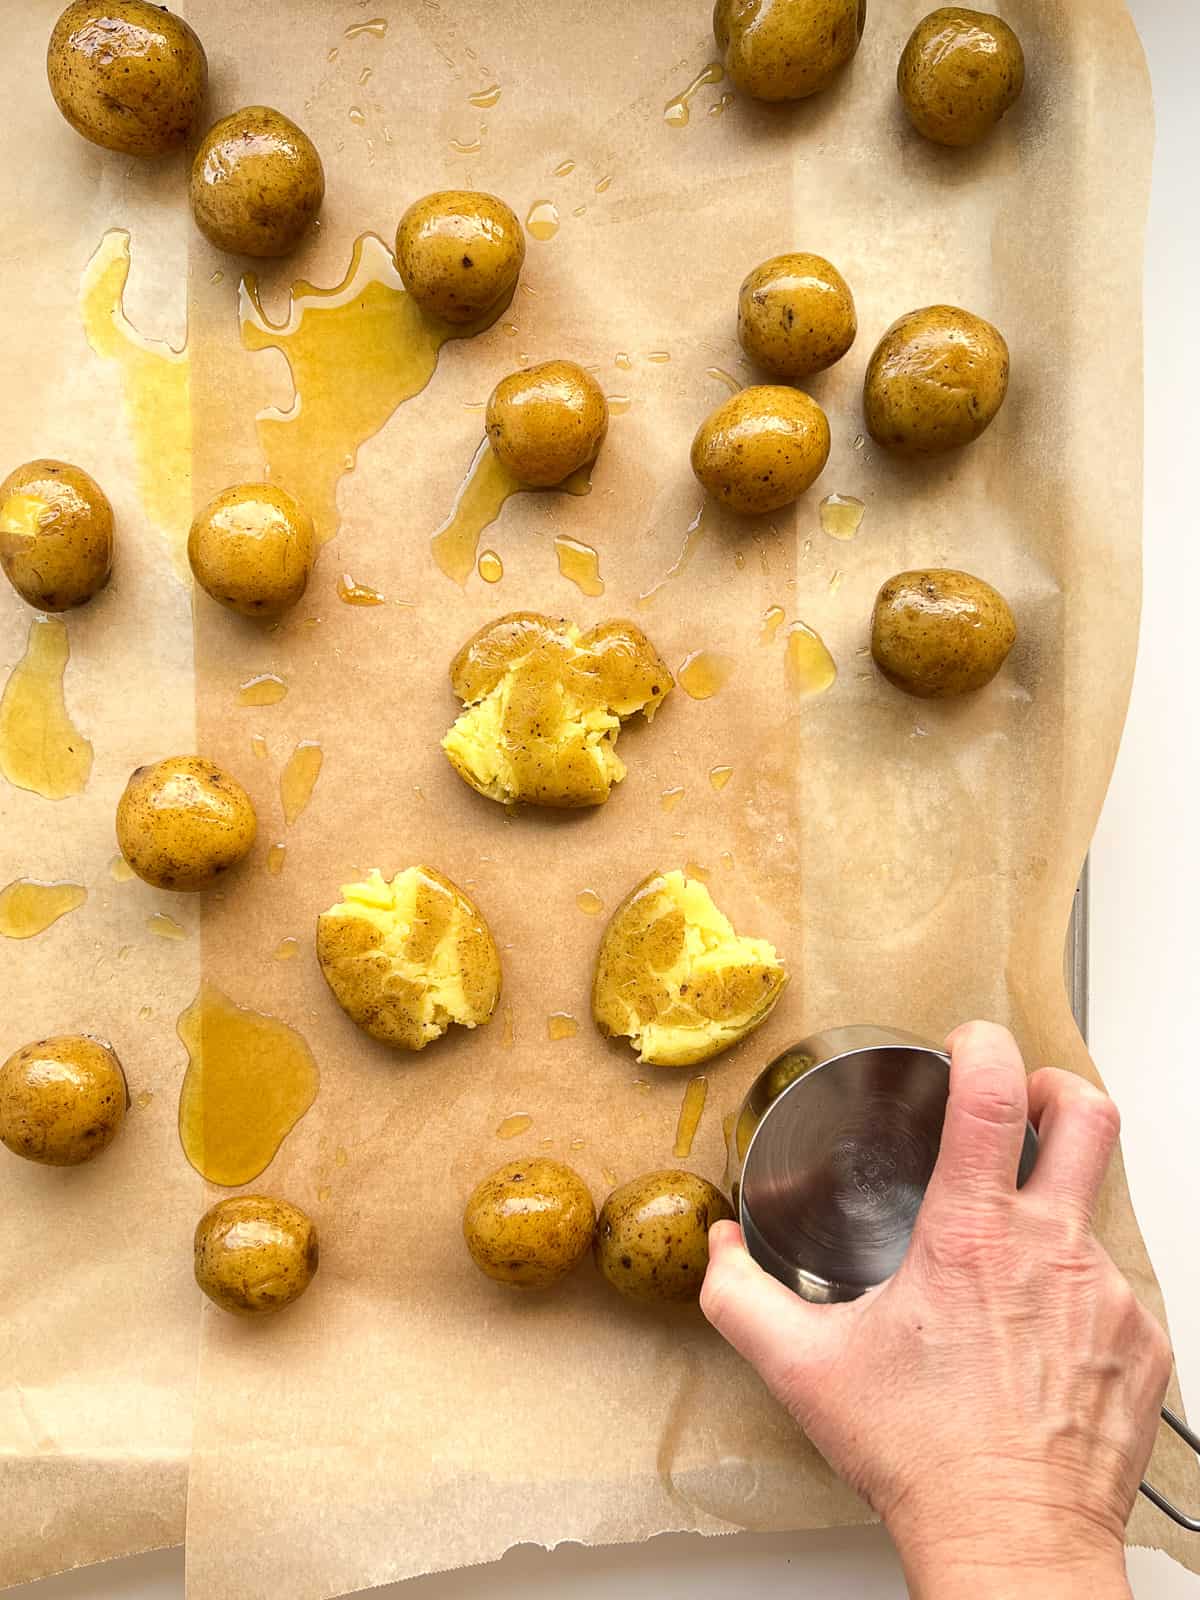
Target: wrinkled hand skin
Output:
[(996, 1401)]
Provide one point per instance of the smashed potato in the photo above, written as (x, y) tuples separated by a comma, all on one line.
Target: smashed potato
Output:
[(674, 977), (407, 958), (545, 704)]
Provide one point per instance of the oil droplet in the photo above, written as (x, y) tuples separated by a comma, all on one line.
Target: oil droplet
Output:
[(259, 746), (286, 948), (580, 563), (466, 147), (119, 869), (267, 689), (835, 580), (608, 1175), (299, 777), (510, 329), (512, 1126), (364, 76), (491, 568), (357, 594), (579, 211), (40, 747), (340, 1157), (563, 168), (164, 926), (478, 503), (604, 184), (144, 1099), (841, 515), (641, 1085), (671, 798), (694, 869), (690, 1113), (623, 360), (719, 107), (719, 375), (658, 357), (28, 907), (808, 666), (323, 1192), (772, 621), (691, 541), (859, 441), (377, 26), (144, 1013), (589, 902), (577, 1144), (739, 560), (332, 55), (216, 277), (618, 404), (542, 221), (561, 1025), (719, 776), (156, 393), (485, 99), (276, 856), (679, 110), (249, 1080), (357, 115), (509, 1036), (703, 673)]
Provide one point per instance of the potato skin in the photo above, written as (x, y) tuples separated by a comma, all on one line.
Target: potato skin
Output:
[(546, 422), (127, 75), (796, 315), (256, 183), (460, 253), (652, 1236), (62, 1100), (938, 633), (529, 1223), (936, 380), (761, 448), (786, 49), (252, 549), (183, 821), (959, 73), (56, 534), (255, 1254)]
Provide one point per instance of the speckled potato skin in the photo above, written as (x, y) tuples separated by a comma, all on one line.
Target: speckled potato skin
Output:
[(529, 1223), (935, 382), (256, 184), (761, 448), (252, 549), (546, 422), (64, 556), (62, 1100), (939, 633), (796, 315), (254, 1254), (960, 72), (184, 821), (460, 253), (127, 75), (786, 49), (652, 1236)]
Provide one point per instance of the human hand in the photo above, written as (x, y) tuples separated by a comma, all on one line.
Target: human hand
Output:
[(996, 1400)]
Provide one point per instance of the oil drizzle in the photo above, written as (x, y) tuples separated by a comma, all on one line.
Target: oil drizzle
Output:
[(719, 375), (589, 902), (808, 666), (357, 594), (719, 776), (377, 26), (276, 855), (41, 749), (542, 221), (164, 926), (579, 563), (479, 501), (841, 515), (704, 673), (299, 778), (28, 907), (561, 1025), (772, 621), (512, 1126), (265, 689), (678, 111), (119, 869), (690, 1113), (691, 540)]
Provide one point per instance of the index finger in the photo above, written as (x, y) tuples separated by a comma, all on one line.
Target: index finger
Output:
[(984, 1130)]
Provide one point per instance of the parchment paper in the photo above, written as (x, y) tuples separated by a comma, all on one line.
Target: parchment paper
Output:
[(914, 864)]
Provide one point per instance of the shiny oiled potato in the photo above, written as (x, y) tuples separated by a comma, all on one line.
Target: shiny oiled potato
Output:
[(674, 977), (786, 49), (62, 1100), (408, 957), (938, 633), (252, 549), (529, 1223), (796, 315), (126, 74), (56, 534), (761, 448), (936, 380), (184, 821), (546, 422), (257, 183), (652, 1236), (960, 72), (544, 705), (255, 1254), (460, 253)]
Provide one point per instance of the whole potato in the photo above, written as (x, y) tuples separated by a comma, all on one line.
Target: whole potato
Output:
[(184, 821), (56, 534), (936, 380), (796, 315), (652, 1236), (460, 253), (255, 1254), (257, 183), (529, 1223), (546, 422), (252, 549), (761, 448), (126, 74), (786, 49), (960, 72), (938, 633), (62, 1100)]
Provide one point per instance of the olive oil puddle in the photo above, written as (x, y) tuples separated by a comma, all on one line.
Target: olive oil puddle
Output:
[(690, 1113), (691, 540), (677, 112), (841, 516), (297, 782), (580, 564), (704, 673), (41, 749), (808, 666), (28, 907)]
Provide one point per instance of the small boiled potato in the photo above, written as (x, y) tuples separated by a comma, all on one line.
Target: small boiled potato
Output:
[(252, 549), (255, 1254), (126, 74), (960, 72), (796, 315), (56, 534), (460, 253), (62, 1100), (407, 958), (257, 183), (936, 380), (938, 633), (761, 448), (529, 1223), (652, 1236), (786, 49), (546, 422), (184, 821)]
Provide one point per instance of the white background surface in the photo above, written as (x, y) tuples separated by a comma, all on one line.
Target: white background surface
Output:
[(1145, 886)]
